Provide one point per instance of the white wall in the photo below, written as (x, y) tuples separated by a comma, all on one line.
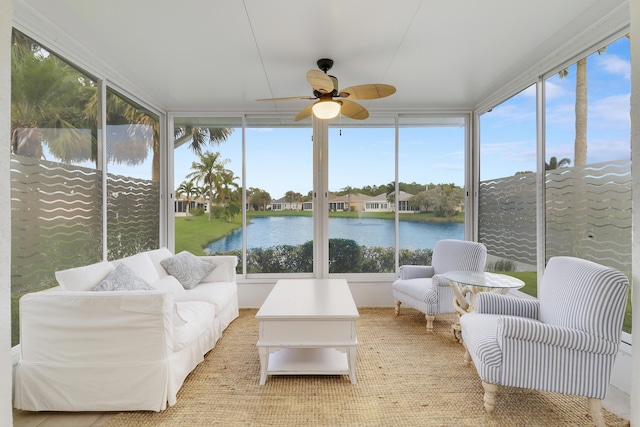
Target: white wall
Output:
[(6, 13), (634, 7)]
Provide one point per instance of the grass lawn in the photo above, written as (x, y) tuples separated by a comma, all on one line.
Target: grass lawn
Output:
[(194, 233)]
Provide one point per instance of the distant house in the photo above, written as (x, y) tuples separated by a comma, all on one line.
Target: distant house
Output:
[(354, 202), (282, 204), (380, 203)]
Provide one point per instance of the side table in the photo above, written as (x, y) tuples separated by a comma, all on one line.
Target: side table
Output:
[(465, 283)]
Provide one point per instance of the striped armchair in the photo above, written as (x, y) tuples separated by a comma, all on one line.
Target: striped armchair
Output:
[(565, 342), (422, 286)]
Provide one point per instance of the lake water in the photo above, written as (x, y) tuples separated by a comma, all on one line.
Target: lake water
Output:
[(265, 232)]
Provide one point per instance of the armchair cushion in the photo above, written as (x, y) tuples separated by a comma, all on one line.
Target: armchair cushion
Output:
[(419, 289)]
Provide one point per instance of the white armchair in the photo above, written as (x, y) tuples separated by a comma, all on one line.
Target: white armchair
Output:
[(423, 288), (565, 342)]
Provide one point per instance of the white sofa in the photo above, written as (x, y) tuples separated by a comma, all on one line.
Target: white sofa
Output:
[(119, 350)]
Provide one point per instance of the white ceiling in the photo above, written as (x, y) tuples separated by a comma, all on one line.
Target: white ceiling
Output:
[(220, 56)]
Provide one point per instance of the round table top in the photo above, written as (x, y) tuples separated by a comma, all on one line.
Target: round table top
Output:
[(483, 279)]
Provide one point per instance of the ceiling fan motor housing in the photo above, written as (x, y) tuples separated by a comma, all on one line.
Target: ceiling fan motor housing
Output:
[(325, 64)]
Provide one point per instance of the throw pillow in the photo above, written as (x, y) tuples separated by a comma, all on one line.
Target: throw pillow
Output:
[(122, 278), (187, 268)]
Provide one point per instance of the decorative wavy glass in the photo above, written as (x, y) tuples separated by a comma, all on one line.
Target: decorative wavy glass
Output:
[(133, 222), (588, 213), (56, 220), (507, 217)]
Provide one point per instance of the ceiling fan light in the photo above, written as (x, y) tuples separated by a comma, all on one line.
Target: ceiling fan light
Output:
[(326, 109)]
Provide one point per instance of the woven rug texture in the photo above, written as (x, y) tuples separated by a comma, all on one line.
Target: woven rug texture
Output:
[(406, 376)]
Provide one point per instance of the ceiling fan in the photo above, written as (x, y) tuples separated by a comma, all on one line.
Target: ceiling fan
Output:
[(330, 100)]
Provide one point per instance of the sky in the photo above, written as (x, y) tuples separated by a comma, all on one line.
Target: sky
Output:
[(280, 160)]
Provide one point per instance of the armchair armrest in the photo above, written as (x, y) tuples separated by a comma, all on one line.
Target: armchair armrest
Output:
[(493, 303), (520, 328), (415, 271)]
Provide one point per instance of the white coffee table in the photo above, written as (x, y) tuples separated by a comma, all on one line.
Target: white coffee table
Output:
[(308, 327)]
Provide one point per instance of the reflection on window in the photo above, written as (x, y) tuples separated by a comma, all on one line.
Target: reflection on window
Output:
[(56, 189), (133, 174)]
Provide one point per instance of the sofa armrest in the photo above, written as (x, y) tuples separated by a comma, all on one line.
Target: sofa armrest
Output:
[(415, 271), (225, 270), (87, 327), (494, 303)]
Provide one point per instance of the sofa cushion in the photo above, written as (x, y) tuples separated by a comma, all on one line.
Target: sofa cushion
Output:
[(169, 284), (187, 268), (217, 293), (156, 256), (197, 318), (141, 265), (83, 278), (224, 271), (123, 278)]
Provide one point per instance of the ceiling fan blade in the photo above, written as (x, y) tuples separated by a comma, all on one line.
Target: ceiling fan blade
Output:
[(370, 91), (306, 112), (320, 81), (290, 98), (353, 110)]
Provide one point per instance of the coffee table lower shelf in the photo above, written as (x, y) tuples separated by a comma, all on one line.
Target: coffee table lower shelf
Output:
[(308, 361)]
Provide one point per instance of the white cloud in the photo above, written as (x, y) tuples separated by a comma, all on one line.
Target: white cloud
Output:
[(611, 110), (615, 65), (553, 90)]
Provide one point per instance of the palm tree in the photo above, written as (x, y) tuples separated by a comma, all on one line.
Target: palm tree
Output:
[(188, 188), (199, 136), (47, 93), (224, 184), (205, 171), (555, 164), (580, 143)]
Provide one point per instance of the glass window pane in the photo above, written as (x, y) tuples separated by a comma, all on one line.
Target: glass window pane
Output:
[(361, 216), (507, 196), (56, 189), (588, 177), (279, 184), (133, 175), (431, 177), (208, 195)]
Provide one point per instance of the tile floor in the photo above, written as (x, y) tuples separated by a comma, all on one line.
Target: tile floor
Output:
[(617, 402)]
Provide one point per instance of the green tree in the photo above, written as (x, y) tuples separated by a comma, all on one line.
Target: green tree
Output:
[(555, 164), (205, 172), (200, 136), (258, 198), (47, 93), (188, 188), (292, 196)]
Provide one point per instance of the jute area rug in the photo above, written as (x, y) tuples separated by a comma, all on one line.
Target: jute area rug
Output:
[(406, 376)]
